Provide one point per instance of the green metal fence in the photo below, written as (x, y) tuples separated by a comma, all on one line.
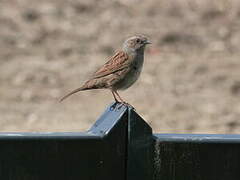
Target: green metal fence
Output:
[(120, 145)]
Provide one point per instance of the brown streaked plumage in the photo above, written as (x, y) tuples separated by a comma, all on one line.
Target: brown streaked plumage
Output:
[(121, 70)]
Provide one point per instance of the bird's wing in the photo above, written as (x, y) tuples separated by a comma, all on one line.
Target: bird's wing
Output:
[(116, 63)]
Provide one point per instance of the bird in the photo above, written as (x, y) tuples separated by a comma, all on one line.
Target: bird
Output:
[(120, 71)]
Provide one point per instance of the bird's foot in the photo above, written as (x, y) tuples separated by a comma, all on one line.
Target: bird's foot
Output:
[(121, 104), (113, 106), (126, 104)]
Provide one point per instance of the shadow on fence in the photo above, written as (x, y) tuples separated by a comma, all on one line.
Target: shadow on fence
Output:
[(120, 145)]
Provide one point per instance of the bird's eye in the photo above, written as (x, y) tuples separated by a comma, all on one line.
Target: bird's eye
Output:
[(138, 40)]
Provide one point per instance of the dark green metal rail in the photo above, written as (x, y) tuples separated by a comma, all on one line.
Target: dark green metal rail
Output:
[(120, 145)]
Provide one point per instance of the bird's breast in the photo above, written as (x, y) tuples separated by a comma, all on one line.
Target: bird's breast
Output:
[(133, 75)]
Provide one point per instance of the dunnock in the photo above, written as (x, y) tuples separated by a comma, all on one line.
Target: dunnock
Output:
[(121, 71)]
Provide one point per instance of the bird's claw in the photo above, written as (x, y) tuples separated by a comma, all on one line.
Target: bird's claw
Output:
[(115, 105), (129, 105), (126, 104)]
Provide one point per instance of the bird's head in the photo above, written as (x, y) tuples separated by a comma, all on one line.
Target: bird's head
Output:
[(136, 43)]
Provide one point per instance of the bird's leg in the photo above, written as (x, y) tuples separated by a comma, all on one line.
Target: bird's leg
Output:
[(122, 101), (115, 98)]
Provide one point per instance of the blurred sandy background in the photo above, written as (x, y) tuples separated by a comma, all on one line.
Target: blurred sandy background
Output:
[(190, 81)]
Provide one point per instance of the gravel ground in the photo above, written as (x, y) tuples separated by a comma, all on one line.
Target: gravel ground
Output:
[(190, 81)]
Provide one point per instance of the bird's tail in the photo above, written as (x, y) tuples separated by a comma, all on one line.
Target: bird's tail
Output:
[(73, 92), (91, 84)]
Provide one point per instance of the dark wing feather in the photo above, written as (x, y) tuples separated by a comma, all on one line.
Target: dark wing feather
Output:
[(116, 63)]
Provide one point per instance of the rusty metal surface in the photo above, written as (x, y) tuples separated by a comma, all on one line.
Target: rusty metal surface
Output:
[(196, 157)]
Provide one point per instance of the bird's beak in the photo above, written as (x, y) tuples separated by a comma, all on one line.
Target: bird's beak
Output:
[(148, 42)]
